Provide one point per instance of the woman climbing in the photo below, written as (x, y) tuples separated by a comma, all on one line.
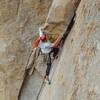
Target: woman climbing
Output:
[(46, 47)]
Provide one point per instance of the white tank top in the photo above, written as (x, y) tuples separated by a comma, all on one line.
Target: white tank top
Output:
[(45, 47)]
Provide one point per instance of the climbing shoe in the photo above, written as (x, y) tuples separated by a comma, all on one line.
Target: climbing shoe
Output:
[(47, 80)]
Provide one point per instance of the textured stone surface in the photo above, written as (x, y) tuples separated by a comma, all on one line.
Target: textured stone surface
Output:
[(19, 21), (55, 28), (77, 76), (8, 10), (61, 10), (60, 14), (31, 87)]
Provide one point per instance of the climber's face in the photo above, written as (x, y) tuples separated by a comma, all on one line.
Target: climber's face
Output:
[(43, 38)]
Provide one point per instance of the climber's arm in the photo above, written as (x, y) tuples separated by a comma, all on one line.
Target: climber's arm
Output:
[(58, 41), (36, 43)]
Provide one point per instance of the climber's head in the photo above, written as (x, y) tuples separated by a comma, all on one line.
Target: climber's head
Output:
[(42, 34), (44, 37)]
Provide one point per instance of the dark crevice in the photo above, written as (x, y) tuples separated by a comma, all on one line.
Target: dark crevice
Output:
[(70, 26)]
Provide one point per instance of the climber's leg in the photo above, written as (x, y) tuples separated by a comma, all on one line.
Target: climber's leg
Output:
[(48, 68), (48, 65)]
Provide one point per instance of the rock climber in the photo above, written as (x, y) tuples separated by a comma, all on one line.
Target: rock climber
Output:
[(47, 47)]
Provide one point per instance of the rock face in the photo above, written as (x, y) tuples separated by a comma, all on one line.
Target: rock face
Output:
[(77, 76), (30, 89), (19, 21), (60, 14)]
